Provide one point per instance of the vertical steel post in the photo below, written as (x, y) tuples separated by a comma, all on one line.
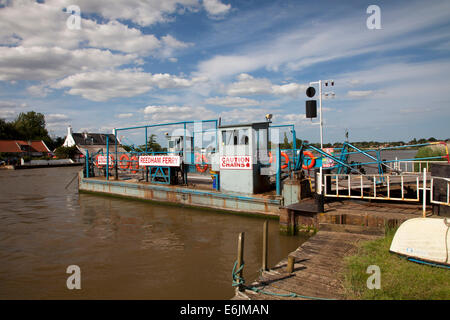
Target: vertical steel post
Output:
[(146, 141), (320, 113), (87, 163), (117, 158), (146, 150), (107, 157), (424, 202), (278, 162), (184, 143), (294, 146)]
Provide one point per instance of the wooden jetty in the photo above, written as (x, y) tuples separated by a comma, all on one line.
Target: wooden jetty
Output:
[(317, 264)]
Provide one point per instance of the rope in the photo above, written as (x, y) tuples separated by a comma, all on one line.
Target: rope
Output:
[(429, 263), (239, 281)]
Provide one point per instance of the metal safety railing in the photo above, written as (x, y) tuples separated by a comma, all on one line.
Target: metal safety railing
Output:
[(373, 186), (412, 166)]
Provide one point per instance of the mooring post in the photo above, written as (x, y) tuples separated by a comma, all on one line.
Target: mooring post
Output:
[(265, 245), (424, 194), (240, 259), (290, 264)]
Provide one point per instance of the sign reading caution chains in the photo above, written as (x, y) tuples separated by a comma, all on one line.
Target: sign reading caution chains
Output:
[(236, 162)]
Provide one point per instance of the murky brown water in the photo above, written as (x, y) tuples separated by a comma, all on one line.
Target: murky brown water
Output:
[(126, 249)]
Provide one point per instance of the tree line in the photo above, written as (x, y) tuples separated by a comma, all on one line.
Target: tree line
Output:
[(359, 144), (28, 126)]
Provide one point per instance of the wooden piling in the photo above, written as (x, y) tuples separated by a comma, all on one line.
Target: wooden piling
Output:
[(265, 245), (240, 258), (290, 264)]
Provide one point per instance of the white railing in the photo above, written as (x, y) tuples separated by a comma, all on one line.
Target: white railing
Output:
[(369, 186), (410, 166), (447, 188)]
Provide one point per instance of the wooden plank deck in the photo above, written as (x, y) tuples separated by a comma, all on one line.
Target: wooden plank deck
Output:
[(317, 264)]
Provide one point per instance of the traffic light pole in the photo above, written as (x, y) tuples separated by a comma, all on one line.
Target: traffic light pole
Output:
[(320, 110), (320, 104)]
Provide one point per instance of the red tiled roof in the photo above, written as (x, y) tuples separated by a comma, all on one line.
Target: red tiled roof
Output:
[(14, 146), (9, 146)]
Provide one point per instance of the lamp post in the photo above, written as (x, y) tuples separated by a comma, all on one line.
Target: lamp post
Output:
[(331, 94)]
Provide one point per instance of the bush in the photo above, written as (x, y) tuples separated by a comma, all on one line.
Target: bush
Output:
[(66, 152), (427, 152)]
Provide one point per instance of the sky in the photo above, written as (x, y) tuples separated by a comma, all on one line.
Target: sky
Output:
[(116, 64)]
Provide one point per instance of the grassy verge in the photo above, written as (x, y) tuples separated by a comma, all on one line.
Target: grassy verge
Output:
[(400, 279), (426, 152)]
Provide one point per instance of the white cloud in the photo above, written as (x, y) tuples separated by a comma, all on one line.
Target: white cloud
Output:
[(308, 44), (10, 109), (56, 117), (248, 85), (124, 115), (359, 93), (19, 22), (43, 63), (232, 102), (55, 121), (215, 7), (293, 89), (143, 13), (176, 113), (105, 85), (246, 115)]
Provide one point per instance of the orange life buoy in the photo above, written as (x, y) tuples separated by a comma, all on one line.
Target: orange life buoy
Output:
[(96, 161), (283, 154), (134, 164), (313, 160), (127, 162), (111, 161), (201, 158)]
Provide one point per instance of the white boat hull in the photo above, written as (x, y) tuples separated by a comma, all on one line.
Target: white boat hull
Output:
[(425, 239)]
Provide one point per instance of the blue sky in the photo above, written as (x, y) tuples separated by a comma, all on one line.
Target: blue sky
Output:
[(145, 62)]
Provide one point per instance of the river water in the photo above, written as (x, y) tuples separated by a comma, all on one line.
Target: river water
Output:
[(125, 249)]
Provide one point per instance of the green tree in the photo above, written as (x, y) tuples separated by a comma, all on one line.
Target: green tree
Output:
[(7, 130), (286, 144), (31, 126), (152, 145)]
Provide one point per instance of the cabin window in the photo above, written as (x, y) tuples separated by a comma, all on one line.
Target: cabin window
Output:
[(235, 137)]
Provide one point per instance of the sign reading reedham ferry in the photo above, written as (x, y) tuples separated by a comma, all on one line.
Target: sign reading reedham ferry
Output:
[(160, 161)]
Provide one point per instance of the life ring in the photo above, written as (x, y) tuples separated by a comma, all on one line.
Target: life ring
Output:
[(313, 160), (96, 162), (127, 162), (201, 158), (134, 164), (283, 154), (111, 162)]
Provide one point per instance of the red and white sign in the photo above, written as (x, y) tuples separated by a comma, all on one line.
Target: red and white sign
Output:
[(159, 161), (101, 160), (236, 162), (327, 162)]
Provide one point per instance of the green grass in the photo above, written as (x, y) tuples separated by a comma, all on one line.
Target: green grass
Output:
[(400, 279)]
